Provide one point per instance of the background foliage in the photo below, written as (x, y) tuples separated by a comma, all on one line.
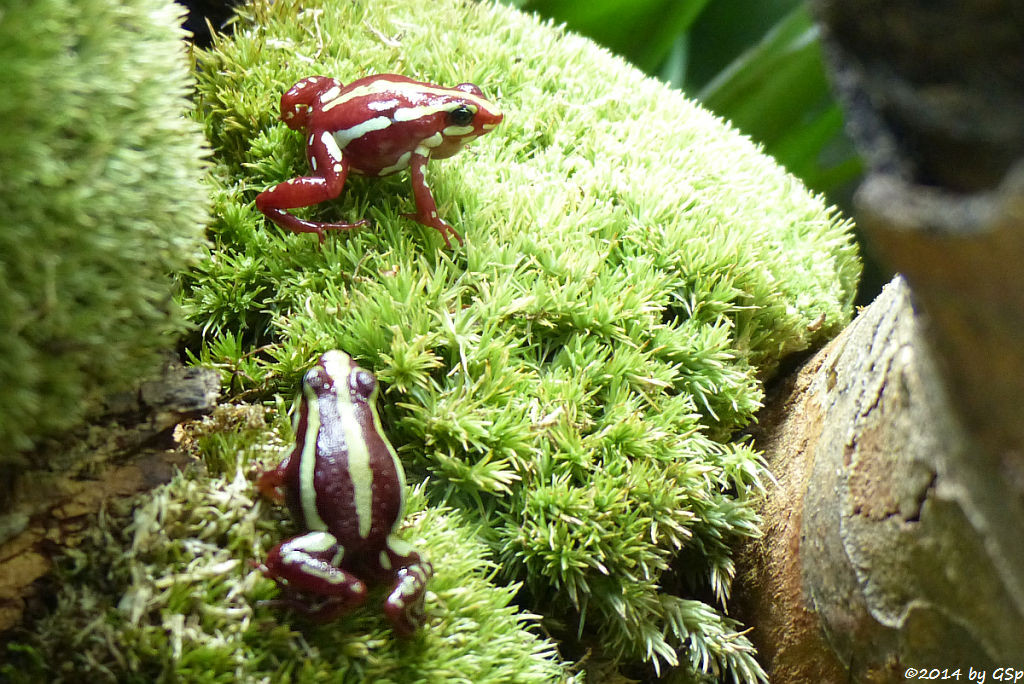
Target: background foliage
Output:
[(755, 64), (100, 200)]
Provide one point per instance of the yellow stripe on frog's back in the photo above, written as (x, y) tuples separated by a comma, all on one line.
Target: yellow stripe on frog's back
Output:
[(383, 85)]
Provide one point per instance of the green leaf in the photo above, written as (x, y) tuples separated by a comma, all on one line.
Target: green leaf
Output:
[(642, 31), (777, 92)]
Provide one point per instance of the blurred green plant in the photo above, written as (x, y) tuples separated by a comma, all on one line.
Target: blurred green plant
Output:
[(101, 199), (756, 64)]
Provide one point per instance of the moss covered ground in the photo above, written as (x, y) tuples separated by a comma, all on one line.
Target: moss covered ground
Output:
[(566, 390)]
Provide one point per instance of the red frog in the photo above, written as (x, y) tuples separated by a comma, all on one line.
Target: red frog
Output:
[(345, 487), (377, 125)]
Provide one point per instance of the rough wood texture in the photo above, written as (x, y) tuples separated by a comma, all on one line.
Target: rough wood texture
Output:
[(889, 542), (911, 545), (963, 256), (47, 510), (934, 93)]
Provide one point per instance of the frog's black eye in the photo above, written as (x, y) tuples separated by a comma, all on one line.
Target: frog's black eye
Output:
[(364, 383), (315, 379), (461, 115)]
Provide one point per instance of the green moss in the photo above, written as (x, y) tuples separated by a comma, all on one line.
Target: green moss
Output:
[(101, 198), (170, 594), (566, 388), (570, 379)]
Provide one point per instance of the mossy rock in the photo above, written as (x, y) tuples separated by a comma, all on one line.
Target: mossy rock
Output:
[(101, 197), (572, 376), (565, 389)]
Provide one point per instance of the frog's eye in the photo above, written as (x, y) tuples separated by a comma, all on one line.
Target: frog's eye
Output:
[(462, 115), (364, 383), (315, 379)]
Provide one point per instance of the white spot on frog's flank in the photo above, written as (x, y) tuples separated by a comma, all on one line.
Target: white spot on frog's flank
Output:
[(432, 141), (337, 168), (457, 130), (347, 135), (400, 164), (310, 141), (433, 214), (312, 163)]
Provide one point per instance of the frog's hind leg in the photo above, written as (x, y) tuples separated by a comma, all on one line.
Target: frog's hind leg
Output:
[(297, 102), (404, 604), (309, 565), (330, 171)]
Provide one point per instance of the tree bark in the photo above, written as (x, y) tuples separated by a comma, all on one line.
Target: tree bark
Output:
[(45, 511), (891, 540), (895, 537)]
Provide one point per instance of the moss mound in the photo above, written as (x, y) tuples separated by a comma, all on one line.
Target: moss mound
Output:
[(101, 200), (178, 602), (570, 379), (566, 388)]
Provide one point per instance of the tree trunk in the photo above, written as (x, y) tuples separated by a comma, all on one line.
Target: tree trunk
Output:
[(891, 540), (894, 541)]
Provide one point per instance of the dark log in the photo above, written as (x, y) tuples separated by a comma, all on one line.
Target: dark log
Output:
[(891, 541)]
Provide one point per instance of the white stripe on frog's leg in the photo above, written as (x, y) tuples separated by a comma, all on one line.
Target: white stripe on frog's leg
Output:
[(331, 145), (330, 94), (311, 542)]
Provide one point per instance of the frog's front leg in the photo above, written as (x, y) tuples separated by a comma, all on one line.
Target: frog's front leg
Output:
[(404, 604), (426, 207), (270, 482), (331, 169), (309, 565)]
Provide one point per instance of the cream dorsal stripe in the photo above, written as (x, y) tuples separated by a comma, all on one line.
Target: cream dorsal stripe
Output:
[(359, 468), (382, 86), (307, 463)]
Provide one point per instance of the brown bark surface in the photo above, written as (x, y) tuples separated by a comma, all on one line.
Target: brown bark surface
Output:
[(47, 510), (891, 541)]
